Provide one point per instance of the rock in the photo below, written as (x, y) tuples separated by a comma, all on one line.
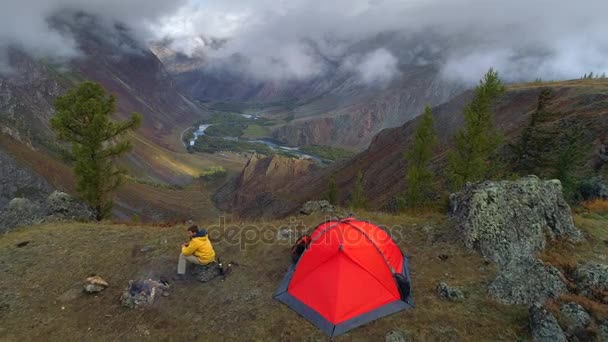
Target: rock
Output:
[(147, 248), (544, 326), (20, 212), (323, 206), (396, 336), (95, 284), (449, 293), (591, 278), (91, 288), (288, 234), (61, 206), (575, 317), (526, 281), (57, 206), (603, 331), (507, 219)]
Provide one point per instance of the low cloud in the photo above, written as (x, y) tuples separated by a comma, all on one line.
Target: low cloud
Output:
[(374, 68), (299, 39)]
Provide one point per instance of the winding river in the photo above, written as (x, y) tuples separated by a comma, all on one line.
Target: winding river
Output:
[(271, 144)]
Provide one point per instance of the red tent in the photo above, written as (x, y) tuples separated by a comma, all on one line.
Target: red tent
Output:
[(351, 273)]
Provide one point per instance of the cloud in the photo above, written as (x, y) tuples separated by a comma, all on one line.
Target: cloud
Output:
[(299, 39), (25, 23), (374, 68), (523, 39)]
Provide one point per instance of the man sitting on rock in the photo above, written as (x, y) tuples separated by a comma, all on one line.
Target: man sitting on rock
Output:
[(198, 251)]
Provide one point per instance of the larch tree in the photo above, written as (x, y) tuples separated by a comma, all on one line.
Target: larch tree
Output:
[(420, 180), (358, 200), (332, 191), (475, 143), (83, 119)]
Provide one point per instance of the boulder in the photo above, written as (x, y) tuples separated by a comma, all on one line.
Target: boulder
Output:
[(526, 281), (450, 293), (511, 219), (95, 284), (591, 279), (603, 331), (61, 206), (57, 206), (575, 317), (20, 212), (544, 326), (323, 206)]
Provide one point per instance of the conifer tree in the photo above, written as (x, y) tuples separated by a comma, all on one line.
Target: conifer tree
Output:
[(569, 160), (531, 155), (420, 179), (83, 120), (358, 200), (332, 191), (475, 143)]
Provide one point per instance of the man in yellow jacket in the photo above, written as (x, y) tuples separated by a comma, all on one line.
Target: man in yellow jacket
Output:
[(198, 251)]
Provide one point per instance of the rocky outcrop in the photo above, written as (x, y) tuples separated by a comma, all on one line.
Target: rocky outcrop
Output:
[(57, 206), (544, 325), (61, 206), (525, 281), (575, 317), (509, 222), (591, 280), (256, 192), (323, 206), (511, 219)]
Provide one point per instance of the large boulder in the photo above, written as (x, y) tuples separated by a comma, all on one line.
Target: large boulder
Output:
[(544, 325), (57, 206), (575, 317), (591, 279), (61, 206), (20, 212), (511, 219), (526, 281), (323, 206)]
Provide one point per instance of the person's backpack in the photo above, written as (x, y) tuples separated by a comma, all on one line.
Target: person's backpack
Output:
[(298, 249)]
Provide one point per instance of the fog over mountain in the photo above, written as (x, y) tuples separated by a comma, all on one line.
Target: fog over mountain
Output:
[(299, 39)]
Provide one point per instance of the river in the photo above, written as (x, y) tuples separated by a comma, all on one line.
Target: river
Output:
[(273, 145)]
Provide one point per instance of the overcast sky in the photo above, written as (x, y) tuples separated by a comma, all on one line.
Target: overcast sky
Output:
[(523, 39)]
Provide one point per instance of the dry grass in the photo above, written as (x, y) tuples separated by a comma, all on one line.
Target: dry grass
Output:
[(597, 206), (40, 295)]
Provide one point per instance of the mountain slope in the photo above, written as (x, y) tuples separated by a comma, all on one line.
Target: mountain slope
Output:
[(383, 166), (158, 164)]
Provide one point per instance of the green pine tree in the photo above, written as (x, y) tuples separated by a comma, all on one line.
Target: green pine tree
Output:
[(332, 191), (83, 120), (420, 179), (358, 200), (476, 142), (569, 160), (530, 152)]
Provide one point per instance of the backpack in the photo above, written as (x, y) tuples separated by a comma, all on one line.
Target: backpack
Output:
[(298, 249)]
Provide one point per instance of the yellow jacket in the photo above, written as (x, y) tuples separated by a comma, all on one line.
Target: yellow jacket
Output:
[(201, 248)]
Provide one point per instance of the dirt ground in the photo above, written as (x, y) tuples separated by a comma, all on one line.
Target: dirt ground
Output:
[(41, 294)]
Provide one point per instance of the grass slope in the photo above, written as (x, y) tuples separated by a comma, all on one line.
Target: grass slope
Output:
[(41, 298)]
